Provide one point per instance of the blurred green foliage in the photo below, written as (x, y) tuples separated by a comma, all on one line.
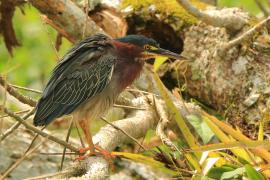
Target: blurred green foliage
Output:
[(33, 61), (248, 5)]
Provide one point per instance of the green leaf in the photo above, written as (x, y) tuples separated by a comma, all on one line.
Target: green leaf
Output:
[(235, 174), (217, 172), (159, 61), (146, 160), (202, 178), (201, 128), (188, 136), (177, 115), (261, 131), (252, 173)]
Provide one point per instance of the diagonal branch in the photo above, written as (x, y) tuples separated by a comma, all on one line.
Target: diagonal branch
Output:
[(67, 18), (13, 92), (248, 35)]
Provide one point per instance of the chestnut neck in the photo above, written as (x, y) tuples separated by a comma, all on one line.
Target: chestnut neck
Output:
[(127, 68)]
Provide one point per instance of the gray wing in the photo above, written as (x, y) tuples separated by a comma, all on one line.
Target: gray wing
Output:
[(77, 78)]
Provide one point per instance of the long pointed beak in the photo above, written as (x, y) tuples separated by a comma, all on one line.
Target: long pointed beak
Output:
[(166, 53)]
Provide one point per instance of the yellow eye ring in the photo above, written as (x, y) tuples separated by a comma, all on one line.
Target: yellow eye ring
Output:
[(147, 47)]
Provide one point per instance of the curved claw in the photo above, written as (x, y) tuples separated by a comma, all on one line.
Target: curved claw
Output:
[(83, 150), (104, 152), (81, 158)]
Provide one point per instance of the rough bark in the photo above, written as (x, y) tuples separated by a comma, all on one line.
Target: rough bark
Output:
[(235, 83), (73, 23)]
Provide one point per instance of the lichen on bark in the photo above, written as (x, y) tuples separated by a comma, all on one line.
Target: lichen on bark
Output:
[(234, 82)]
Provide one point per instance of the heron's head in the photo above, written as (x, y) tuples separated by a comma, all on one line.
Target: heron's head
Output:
[(149, 48)]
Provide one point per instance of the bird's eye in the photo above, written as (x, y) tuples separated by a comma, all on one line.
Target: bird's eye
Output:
[(147, 47)]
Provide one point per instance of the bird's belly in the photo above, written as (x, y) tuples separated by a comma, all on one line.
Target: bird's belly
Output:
[(97, 106)]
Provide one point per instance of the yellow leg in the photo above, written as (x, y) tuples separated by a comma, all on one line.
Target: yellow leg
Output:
[(85, 125)]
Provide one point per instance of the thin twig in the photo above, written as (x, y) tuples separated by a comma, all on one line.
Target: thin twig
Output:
[(15, 126), (58, 175), (5, 87), (124, 132), (245, 36), (19, 161), (36, 130), (58, 28), (86, 3), (57, 154), (162, 125), (128, 107), (79, 134), (33, 140), (18, 112), (26, 89), (124, 101), (50, 39), (65, 149), (141, 91), (141, 143), (22, 98), (58, 41)]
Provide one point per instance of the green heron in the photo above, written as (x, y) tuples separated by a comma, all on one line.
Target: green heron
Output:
[(89, 78)]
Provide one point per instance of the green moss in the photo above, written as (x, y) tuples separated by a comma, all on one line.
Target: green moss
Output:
[(165, 7), (196, 72)]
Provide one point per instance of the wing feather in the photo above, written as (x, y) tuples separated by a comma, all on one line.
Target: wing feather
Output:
[(84, 72)]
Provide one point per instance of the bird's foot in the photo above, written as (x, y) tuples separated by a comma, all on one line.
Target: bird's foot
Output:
[(107, 155), (82, 154), (84, 150)]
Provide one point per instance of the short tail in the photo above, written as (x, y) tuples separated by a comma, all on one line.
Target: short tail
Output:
[(47, 112)]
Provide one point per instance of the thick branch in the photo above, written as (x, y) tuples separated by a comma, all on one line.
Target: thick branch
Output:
[(67, 18), (231, 19)]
